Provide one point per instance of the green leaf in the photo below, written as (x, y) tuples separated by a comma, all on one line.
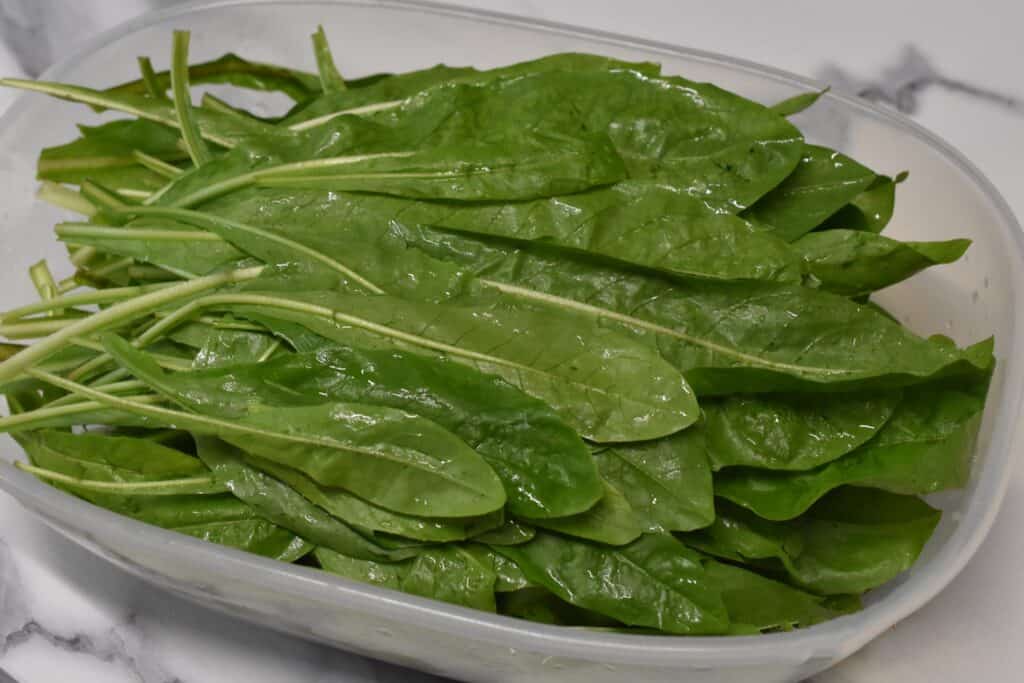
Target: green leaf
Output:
[(385, 91), (608, 387), (725, 337), (280, 504), (611, 521), (823, 182), (655, 226), (870, 211), (850, 541), (515, 165), (925, 447), (757, 604), (855, 262), (219, 519), (105, 154), (452, 574), (230, 69), (383, 574), (513, 532), (793, 432), (364, 515), (545, 468), (542, 606), (509, 576), (220, 129), (400, 461), (659, 126), (161, 243), (667, 482), (797, 103), (659, 582)]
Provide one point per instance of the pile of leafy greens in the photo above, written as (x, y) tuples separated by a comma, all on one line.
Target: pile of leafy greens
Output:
[(570, 340)]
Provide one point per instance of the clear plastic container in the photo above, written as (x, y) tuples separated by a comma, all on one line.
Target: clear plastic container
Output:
[(945, 197)]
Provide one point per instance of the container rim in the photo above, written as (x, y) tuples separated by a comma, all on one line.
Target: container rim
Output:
[(836, 638)]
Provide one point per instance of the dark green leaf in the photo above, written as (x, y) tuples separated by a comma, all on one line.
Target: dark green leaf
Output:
[(823, 182), (655, 226), (725, 337), (869, 211), (105, 154), (925, 447), (850, 541), (667, 482), (757, 604), (611, 521), (797, 103), (364, 515), (855, 262), (545, 468), (607, 386), (233, 70), (792, 432), (280, 504), (659, 582)]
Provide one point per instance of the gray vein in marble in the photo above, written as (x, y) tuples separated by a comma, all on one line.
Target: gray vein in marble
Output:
[(6, 677), (900, 84), (17, 627)]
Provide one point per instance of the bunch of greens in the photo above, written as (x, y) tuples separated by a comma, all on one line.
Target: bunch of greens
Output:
[(446, 332)]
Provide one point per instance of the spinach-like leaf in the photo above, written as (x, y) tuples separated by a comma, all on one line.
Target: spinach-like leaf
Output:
[(659, 125), (660, 583), (607, 386), (869, 211), (186, 252), (385, 91), (452, 574), (823, 182), (383, 574), (850, 541), (647, 224), (273, 500), (611, 521), (400, 461), (541, 605), (230, 69), (757, 604), (792, 432), (667, 482), (925, 447), (221, 129), (725, 337), (797, 103), (545, 468), (509, 576), (512, 166), (105, 154), (855, 262), (512, 532), (216, 518), (364, 515)]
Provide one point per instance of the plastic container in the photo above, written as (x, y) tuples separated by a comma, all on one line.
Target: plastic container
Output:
[(945, 197)]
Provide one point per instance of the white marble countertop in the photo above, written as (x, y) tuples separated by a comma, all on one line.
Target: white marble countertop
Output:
[(68, 616)]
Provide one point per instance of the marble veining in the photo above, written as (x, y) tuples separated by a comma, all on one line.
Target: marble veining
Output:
[(900, 84), (120, 644)]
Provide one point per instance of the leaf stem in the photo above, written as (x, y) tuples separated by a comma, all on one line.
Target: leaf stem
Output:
[(121, 312), (189, 485), (194, 142)]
